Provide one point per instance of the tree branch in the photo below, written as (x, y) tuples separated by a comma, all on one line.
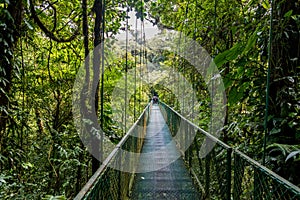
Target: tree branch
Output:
[(46, 31)]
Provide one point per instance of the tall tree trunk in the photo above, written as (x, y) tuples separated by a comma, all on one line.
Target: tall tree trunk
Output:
[(11, 19), (96, 70)]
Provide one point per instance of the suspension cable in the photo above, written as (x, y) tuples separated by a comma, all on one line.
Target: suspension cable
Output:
[(194, 58), (215, 25), (141, 54), (178, 81), (145, 51), (183, 70), (135, 72), (126, 69), (102, 79), (268, 83), (212, 73)]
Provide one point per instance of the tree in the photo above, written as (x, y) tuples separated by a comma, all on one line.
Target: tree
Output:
[(11, 20)]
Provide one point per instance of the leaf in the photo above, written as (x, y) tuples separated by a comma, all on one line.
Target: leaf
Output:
[(228, 55), (250, 43), (2, 180), (8, 15), (266, 4), (235, 96), (275, 131), (288, 14), (50, 197), (279, 147), (27, 165), (28, 24), (227, 82), (292, 154)]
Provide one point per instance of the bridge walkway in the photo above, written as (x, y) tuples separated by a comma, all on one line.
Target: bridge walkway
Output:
[(171, 179)]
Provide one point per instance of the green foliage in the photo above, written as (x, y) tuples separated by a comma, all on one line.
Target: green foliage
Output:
[(41, 155), (284, 159)]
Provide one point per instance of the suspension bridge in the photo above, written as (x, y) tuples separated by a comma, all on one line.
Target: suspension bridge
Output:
[(224, 173), (184, 161)]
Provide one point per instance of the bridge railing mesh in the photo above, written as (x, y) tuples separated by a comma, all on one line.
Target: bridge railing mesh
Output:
[(254, 181), (208, 158), (218, 171), (221, 172), (110, 181)]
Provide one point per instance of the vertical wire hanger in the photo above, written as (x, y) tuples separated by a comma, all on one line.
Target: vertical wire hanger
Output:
[(141, 54), (194, 58), (126, 69), (183, 62), (145, 49), (135, 65), (102, 78), (178, 77), (212, 73), (266, 131)]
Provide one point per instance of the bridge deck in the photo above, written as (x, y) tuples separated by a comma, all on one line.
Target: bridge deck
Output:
[(168, 181)]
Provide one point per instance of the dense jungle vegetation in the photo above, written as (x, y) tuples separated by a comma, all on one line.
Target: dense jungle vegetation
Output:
[(44, 43)]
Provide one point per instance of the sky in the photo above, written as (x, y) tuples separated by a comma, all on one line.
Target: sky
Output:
[(150, 30)]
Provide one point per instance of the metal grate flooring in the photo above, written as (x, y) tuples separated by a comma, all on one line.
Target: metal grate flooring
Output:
[(171, 179)]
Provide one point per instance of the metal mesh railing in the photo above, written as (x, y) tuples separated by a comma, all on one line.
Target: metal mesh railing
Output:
[(222, 172), (110, 181), (208, 158), (218, 171), (254, 181)]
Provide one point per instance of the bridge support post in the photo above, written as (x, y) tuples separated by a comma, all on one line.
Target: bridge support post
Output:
[(119, 177), (228, 174), (238, 175), (190, 149), (256, 192), (207, 176)]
